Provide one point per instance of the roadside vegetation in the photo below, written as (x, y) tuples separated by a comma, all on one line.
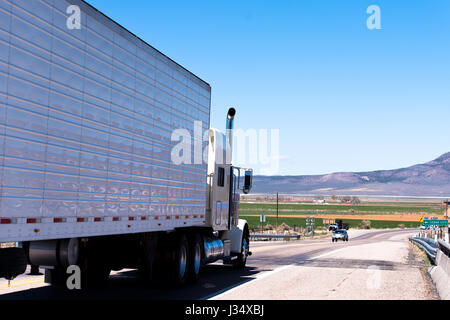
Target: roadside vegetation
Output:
[(355, 224), (357, 209), (339, 206), (421, 255)]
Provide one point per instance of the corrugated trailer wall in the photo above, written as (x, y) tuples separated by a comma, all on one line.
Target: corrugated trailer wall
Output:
[(86, 117)]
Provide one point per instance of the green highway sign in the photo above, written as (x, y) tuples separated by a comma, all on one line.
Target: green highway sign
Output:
[(441, 223)]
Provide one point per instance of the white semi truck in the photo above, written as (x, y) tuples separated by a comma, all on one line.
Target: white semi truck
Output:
[(87, 177)]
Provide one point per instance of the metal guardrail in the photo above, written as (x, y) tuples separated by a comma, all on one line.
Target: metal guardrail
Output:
[(429, 245), (444, 247), (256, 236)]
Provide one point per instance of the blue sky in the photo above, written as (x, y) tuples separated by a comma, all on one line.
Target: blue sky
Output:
[(344, 98)]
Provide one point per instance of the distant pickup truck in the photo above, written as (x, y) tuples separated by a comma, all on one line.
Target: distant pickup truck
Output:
[(333, 227), (338, 225)]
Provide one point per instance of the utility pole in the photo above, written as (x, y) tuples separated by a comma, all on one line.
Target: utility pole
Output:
[(277, 209)]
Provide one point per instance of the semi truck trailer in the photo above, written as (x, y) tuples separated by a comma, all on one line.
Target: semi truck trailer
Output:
[(90, 122)]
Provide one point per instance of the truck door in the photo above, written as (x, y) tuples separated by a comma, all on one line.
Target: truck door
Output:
[(221, 200), (233, 215)]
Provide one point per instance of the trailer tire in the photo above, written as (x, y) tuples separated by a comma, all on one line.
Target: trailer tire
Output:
[(94, 265), (94, 273), (147, 266), (194, 258)]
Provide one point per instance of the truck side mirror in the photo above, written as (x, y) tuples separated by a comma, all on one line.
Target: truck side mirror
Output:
[(247, 181)]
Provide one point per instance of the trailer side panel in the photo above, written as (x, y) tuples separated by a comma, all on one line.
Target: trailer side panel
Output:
[(86, 118)]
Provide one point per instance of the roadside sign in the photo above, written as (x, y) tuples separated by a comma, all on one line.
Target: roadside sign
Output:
[(440, 223), (421, 219), (262, 218), (309, 221)]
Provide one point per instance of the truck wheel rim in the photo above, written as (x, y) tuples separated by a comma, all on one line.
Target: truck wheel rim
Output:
[(197, 259), (244, 248), (182, 262)]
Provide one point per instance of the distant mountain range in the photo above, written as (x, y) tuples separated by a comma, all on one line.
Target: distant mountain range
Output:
[(428, 179)]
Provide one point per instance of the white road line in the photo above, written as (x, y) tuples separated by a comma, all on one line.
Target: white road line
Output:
[(329, 253), (261, 276), (239, 286)]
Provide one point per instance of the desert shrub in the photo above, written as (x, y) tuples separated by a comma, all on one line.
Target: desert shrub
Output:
[(365, 224), (284, 227)]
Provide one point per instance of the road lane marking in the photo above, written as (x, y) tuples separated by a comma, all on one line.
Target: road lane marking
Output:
[(263, 248), (260, 276), (377, 235), (328, 253), (370, 237), (18, 284)]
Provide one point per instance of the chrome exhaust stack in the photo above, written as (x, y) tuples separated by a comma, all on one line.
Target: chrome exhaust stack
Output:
[(229, 137)]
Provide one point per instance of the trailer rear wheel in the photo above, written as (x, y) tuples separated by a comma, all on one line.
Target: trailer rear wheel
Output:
[(94, 273), (147, 265), (94, 264)]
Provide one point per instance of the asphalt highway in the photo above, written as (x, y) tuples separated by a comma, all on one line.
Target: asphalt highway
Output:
[(371, 265)]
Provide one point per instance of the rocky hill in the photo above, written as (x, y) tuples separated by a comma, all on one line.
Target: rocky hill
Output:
[(428, 179)]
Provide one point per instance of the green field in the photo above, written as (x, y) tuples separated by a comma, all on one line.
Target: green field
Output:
[(301, 222), (364, 208)]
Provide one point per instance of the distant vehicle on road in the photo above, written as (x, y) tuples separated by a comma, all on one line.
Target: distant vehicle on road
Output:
[(333, 227), (342, 225), (339, 234)]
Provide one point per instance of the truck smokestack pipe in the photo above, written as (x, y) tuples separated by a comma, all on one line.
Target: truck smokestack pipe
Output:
[(230, 118), (229, 142)]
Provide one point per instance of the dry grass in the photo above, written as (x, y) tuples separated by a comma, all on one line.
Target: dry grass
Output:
[(421, 255), (365, 224), (283, 228)]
